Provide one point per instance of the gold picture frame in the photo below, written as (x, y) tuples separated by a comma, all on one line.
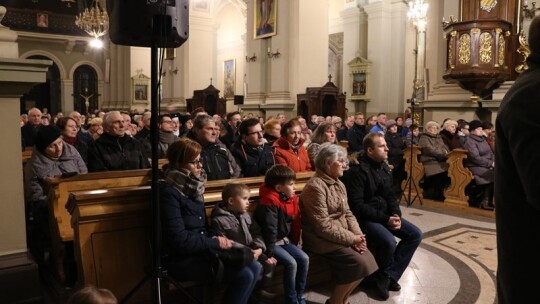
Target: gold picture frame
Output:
[(265, 18), (229, 78)]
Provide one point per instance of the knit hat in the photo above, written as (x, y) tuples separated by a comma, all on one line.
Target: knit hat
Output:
[(184, 118), (390, 123), (46, 136), (475, 124)]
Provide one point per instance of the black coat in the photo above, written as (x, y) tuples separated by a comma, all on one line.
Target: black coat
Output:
[(28, 134), (355, 136), (253, 162), (517, 186), (369, 190), (111, 153), (396, 145)]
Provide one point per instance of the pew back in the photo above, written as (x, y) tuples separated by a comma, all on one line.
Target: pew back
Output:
[(113, 232)]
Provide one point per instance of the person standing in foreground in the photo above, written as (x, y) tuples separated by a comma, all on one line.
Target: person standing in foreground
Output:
[(376, 207), (517, 180)]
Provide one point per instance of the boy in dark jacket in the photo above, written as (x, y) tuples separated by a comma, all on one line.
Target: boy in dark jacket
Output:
[(232, 219)]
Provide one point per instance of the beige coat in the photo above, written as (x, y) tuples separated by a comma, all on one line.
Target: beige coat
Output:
[(432, 145), (327, 222)]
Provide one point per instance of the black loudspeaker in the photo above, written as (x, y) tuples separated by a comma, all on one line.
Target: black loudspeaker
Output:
[(147, 23), (238, 99)]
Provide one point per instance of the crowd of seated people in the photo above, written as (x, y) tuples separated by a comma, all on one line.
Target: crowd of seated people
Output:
[(245, 147)]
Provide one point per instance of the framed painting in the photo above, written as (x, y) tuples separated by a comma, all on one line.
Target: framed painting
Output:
[(229, 78), (141, 92), (265, 18), (42, 20), (359, 84)]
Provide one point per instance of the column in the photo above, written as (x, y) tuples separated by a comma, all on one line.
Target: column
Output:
[(17, 76), (386, 37), (354, 45)]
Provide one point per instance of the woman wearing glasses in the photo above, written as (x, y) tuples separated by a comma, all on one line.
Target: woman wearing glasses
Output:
[(290, 150), (186, 240)]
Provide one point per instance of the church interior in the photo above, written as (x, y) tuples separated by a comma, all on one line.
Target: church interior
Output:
[(298, 57)]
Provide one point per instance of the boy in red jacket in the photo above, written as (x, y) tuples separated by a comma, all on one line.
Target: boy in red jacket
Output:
[(279, 218)]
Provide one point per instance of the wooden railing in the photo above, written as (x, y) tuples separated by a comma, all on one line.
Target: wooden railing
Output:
[(112, 233)]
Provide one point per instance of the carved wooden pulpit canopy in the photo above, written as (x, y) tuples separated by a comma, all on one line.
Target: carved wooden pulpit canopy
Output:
[(321, 101), (481, 48), (208, 99)]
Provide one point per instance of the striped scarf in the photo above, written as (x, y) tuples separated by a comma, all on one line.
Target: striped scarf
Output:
[(186, 183)]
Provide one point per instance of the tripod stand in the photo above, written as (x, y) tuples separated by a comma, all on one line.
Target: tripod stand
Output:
[(160, 38), (410, 181)]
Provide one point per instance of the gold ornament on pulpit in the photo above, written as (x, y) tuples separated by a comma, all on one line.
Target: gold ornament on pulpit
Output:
[(488, 5)]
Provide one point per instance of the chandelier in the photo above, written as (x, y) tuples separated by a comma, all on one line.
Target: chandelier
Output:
[(417, 13), (94, 21)]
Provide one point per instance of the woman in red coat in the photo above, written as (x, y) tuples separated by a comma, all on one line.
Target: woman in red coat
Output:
[(290, 150)]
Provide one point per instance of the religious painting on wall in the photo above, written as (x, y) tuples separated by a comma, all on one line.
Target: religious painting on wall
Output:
[(229, 75), (359, 84), (42, 20), (265, 18)]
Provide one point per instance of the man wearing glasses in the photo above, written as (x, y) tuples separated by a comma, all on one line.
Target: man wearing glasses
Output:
[(252, 154)]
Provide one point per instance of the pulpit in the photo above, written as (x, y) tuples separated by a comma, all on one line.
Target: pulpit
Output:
[(321, 101), (482, 46), (209, 100)]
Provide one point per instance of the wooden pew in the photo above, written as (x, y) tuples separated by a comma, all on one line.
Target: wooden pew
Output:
[(112, 234), (59, 189), (26, 155), (460, 177), (417, 173)]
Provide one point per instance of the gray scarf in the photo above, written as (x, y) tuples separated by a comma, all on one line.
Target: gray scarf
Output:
[(186, 182)]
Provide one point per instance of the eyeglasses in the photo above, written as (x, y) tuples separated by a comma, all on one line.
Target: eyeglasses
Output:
[(256, 132), (196, 162)]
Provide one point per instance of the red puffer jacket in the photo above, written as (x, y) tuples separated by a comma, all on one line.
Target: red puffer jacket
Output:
[(286, 156)]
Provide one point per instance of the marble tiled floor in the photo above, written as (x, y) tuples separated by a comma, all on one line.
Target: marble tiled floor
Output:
[(455, 263)]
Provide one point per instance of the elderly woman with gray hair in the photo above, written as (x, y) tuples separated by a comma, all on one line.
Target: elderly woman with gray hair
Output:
[(433, 157), (449, 134), (330, 229)]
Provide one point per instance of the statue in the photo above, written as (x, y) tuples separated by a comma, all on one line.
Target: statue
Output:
[(86, 99)]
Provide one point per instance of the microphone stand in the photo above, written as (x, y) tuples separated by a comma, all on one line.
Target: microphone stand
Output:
[(410, 182)]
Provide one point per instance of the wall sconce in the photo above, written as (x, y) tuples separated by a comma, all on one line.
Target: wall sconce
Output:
[(175, 71), (529, 12), (252, 58), (273, 55)]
